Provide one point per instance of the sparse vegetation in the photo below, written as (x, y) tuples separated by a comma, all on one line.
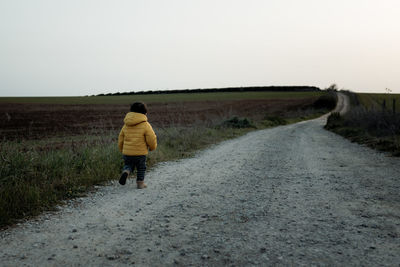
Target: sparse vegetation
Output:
[(369, 124)]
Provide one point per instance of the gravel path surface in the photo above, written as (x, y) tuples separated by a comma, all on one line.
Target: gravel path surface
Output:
[(292, 195)]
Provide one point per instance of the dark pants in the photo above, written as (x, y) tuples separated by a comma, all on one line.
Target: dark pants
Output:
[(138, 162)]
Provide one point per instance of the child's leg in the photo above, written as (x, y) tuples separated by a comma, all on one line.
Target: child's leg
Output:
[(140, 167), (128, 164), (141, 170), (127, 169)]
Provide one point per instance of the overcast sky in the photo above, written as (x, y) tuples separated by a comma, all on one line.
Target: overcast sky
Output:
[(85, 47)]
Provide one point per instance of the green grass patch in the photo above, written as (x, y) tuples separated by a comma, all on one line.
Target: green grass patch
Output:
[(375, 101), (33, 179)]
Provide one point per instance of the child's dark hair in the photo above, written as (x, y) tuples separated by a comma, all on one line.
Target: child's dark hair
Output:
[(139, 107)]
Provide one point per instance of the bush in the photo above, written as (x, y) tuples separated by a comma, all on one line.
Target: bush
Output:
[(236, 122), (334, 120), (327, 101), (274, 121)]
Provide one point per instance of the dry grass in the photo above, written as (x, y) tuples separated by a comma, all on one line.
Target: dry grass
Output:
[(366, 125), (380, 102)]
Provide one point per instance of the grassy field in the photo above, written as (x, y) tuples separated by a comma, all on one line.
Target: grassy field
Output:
[(39, 170), (375, 101), (157, 98)]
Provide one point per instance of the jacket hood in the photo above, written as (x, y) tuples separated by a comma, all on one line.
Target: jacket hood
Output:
[(133, 118)]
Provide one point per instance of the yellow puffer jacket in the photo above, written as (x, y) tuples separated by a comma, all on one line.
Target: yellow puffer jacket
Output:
[(137, 135)]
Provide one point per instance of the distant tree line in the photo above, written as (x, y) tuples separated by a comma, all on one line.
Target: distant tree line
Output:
[(228, 89)]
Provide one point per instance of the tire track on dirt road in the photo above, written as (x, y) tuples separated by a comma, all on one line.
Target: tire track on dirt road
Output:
[(291, 195)]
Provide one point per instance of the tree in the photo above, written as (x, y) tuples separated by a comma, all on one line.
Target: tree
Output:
[(332, 87)]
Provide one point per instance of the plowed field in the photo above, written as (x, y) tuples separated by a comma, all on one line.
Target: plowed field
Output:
[(37, 121)]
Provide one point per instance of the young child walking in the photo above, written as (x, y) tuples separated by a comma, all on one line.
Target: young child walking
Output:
[(135, 140)]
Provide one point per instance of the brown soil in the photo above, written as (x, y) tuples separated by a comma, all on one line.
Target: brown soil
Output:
[(36, 121)]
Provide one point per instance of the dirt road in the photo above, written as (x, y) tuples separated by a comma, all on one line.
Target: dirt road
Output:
[(292, 195)]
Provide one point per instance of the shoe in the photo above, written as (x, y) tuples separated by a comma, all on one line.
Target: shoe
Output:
[(141, 185), (124, 175)]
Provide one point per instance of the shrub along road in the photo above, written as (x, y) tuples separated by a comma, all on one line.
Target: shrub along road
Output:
[(291, 195)]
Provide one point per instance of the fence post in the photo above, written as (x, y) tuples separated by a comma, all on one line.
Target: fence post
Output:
[(394, 105)]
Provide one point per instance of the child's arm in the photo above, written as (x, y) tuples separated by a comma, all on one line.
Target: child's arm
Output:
[(151, 138), (121, 139)]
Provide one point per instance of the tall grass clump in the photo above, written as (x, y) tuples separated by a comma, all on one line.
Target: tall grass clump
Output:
[(34, 179)]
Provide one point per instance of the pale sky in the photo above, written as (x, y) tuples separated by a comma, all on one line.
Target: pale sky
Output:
[(85, 47)]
